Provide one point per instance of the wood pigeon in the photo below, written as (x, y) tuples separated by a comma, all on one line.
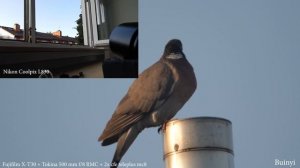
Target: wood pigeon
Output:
[(153, 99)]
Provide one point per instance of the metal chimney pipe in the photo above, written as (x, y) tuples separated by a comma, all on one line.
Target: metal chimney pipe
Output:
[(201, 142)]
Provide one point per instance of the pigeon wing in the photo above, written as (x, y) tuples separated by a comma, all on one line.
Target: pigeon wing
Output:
[(146, 94)]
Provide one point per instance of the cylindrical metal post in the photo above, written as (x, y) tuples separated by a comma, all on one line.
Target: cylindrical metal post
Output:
[(202, 142)]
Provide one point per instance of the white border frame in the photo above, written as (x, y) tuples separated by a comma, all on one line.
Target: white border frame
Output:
[(89, 19)]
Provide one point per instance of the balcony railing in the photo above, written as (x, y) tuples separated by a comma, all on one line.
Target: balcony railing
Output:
[(57, 59)]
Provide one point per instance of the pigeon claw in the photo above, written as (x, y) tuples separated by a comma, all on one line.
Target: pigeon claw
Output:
[(162, 127)]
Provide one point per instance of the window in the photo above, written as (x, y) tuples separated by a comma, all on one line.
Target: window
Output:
[(56, 21), (101, 21), (41, 21), (43, 24), (100, 17), (39, 50), (12, 20)]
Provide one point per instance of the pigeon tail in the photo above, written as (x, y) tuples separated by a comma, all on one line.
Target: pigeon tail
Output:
[(124, 143)]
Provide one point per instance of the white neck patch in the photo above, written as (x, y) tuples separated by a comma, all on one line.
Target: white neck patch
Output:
[(174, 56)]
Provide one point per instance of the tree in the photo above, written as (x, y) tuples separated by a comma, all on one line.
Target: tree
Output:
[(79, 29)]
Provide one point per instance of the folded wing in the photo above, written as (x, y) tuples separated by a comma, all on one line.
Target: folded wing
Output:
[(146, 94)]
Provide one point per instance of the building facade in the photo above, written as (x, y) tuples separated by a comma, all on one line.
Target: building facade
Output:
[(16, 33)]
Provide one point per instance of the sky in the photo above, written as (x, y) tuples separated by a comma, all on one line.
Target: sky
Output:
[(51, 15), (246, 58)]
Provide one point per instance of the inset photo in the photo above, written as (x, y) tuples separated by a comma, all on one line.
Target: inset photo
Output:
[(69, 39)]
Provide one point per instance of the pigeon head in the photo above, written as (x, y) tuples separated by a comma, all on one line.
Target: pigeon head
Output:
[(173, 50)]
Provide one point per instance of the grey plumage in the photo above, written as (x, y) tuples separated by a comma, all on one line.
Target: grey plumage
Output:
[(153, 99)]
